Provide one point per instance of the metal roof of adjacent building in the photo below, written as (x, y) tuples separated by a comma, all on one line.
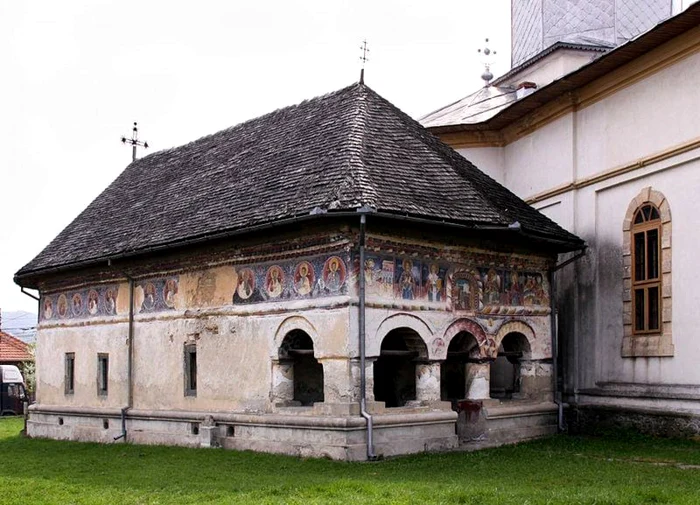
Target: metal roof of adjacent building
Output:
[(339, 152), (494, 115)]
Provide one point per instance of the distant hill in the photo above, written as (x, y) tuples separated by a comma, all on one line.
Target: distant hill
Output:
[(20, 324)]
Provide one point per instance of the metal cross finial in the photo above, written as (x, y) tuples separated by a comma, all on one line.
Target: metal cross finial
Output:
[(364, 59), (487, 52), (134, 141)]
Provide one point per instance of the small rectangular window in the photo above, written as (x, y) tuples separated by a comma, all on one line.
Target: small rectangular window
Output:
[(102, 374), (69, 373), (190, 369)]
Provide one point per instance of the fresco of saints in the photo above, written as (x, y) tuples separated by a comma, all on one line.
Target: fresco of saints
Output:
[(492, 287), (407, 283), (149, 298), (464, 294), (274, 281), (303, 278), (48, 308), (334, 274), (529, 296), (62, 306), (169, 292), (541, 292), (246, 284), (110, 303), (514, 293), (434, 283), (92, 302), (77, 304), (369, 272)]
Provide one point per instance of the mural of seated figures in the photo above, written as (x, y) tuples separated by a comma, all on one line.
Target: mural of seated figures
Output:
[(395, 369), (462, 353), (297, 354), (505, 377)]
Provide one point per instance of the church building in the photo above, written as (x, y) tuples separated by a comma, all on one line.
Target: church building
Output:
[(336, 279), (326, 280), (596, 126)]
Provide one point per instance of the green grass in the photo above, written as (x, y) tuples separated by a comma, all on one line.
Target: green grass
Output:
[(620, 468)]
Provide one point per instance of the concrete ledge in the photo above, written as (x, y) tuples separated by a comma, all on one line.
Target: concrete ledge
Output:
[(340, 438)]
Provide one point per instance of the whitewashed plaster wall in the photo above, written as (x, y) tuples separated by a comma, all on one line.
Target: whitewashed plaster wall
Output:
[(490, 160), (646, 118)]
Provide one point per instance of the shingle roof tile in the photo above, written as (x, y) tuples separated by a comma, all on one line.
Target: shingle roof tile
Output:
[(336, 152)]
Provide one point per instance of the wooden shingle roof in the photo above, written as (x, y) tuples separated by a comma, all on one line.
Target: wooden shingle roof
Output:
[(338, 152)]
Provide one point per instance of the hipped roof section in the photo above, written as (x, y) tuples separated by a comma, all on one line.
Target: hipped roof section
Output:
[(339, 152)]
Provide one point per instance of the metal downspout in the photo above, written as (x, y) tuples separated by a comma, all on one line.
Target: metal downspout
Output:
[(555, 350), (363, 379), (554, 323), (129, 362)]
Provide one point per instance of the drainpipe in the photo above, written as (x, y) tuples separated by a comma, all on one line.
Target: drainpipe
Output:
[(363, 379), (130, 360), (554, 323)]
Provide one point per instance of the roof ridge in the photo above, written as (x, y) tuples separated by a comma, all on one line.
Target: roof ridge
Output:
[(357, 163)]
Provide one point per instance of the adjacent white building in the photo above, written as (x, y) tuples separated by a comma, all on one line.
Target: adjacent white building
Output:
[(606, 141)]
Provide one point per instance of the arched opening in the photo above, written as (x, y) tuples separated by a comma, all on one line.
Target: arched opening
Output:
[(462, 351), (395, 369), (297, 350), (505, 376)]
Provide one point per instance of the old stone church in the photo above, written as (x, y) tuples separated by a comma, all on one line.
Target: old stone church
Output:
[(332, 280)]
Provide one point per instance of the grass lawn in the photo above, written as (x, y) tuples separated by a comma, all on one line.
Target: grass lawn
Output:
[(624, 468)]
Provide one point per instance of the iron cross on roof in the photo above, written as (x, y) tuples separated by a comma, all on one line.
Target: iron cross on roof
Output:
[(134, 141), (364, 59)]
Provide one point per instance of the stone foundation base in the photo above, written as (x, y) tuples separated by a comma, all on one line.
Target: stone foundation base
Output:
[(597, 419), (490, 423), (396, 431)]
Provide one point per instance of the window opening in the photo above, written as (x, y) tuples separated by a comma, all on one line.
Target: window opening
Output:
[(102, 374), (462, 353), (69, 374), (190, 369), (395, 369), (505, 375), (646, 271), (298, 348)]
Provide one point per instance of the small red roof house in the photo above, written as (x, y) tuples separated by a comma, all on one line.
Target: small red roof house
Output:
[(13, 351)]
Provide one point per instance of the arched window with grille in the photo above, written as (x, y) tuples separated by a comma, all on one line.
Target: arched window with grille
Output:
[(647, 276)]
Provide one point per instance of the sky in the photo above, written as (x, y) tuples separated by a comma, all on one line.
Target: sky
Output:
[(77, 74)]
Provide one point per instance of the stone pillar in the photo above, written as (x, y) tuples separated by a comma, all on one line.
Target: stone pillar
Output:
[(369, 378), (336, 381), (536, 380), (428, 381), (282, 392), (477, 380)]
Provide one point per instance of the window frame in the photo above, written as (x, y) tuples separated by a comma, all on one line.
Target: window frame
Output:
[(646, 284), (657, 343), (69, 373), (102, 374), (190, 369)]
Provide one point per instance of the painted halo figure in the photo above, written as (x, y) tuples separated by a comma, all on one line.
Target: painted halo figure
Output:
[(333, 274), (303, 278), (62, 306), (48, 308), (274, 281), (246, 284), (93, 298), (169, 292), (406, 282)]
